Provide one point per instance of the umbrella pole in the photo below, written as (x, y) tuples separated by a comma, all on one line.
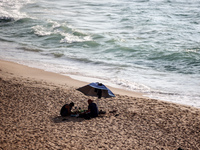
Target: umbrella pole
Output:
[(98, 103)]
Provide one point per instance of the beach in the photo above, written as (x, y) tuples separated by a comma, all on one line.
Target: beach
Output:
[(30, 103)]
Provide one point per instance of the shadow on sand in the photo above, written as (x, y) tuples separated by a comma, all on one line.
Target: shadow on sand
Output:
[(60, 119)]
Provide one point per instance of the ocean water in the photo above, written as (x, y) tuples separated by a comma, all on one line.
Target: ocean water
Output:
[(147, 46)]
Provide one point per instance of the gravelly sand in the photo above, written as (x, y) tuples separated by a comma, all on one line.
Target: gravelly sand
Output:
[(30, 118)]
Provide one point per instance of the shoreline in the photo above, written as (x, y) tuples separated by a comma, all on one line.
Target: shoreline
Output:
[(39, 74), (30, 103)]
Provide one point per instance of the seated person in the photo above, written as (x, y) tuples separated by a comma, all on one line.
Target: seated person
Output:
[(92, 111), (66, 109)]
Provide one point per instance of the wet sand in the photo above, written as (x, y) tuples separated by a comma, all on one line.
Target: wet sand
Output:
[(30, 103)]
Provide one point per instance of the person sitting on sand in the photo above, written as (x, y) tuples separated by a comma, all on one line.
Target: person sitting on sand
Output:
[(92, 111), (66, 109)]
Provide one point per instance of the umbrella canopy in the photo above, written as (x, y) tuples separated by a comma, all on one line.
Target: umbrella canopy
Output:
[(96, 89)]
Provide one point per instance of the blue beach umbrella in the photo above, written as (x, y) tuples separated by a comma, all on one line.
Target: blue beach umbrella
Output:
[(96, 89)]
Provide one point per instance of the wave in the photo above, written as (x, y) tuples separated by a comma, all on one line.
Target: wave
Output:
[(58, 54), (186, 62), (5, 39), (29, 49), (65, 33), (12, 9), (41, 30), (70, 38), (4, 19)]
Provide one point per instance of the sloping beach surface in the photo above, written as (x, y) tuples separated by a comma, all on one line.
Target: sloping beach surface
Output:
[(30, 101)]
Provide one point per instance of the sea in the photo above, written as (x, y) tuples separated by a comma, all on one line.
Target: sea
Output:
[(147, 46)]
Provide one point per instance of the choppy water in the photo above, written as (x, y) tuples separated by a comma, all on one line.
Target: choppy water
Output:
[(147, 46)]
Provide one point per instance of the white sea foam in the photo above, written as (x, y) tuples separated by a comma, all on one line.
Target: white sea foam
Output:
[(69, 38), (11, 8), (55, 24), (41, 30), (56, 28)]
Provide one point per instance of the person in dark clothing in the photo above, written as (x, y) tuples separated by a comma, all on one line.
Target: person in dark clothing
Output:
[(92, 111), (66, 109)]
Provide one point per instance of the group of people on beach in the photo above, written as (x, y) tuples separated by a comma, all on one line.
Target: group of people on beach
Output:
[(91, 112)]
